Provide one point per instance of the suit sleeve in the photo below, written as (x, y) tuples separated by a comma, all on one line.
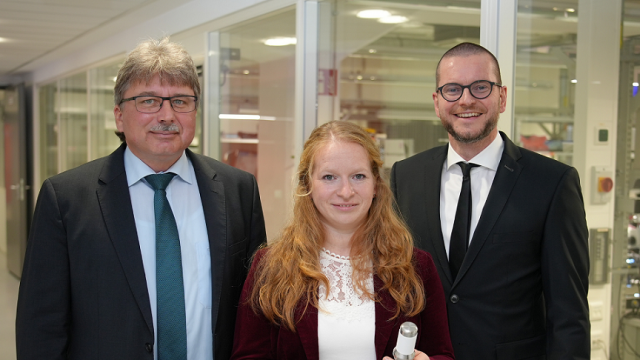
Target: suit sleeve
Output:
[(434, 339), (565, 272), (258, 229), (393, 181), (252, 339), (43, 312)]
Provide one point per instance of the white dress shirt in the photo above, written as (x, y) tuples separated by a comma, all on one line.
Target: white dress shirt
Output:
[(481, 180), (184, 198)]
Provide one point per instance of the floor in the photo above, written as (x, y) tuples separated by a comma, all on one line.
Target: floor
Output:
[(8, 298)]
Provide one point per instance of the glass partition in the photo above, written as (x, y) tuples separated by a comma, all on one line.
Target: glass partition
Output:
[(384, 68), (544, 94), (72, 107), (47, 95), (256, 81), (101, 122)]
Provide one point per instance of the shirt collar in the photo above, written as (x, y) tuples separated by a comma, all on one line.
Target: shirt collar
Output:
[(136, 169), (489, 157)]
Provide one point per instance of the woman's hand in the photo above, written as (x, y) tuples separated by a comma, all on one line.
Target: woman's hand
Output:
[(419, 356)]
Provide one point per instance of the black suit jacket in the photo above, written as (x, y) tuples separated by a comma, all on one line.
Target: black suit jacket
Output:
[(521, 292), (83, 293)]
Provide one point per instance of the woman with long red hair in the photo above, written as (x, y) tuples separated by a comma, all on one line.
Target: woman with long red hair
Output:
[(344, 274)]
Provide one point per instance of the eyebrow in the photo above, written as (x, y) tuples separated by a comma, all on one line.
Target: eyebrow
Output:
[(153, 93), (328, 170)]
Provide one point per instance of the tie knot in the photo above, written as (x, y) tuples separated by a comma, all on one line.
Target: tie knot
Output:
[(466, 168), (159, 181)]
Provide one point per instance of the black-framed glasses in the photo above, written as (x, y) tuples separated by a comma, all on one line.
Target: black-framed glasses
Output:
[(480, 89), (152, 104)]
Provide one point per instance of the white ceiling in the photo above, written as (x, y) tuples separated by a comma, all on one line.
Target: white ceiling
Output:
[(33, 32)]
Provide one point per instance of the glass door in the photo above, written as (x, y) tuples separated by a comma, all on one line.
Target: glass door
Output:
[(254, 80)]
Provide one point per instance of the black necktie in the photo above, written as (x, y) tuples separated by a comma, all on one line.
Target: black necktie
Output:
[(462, 223)]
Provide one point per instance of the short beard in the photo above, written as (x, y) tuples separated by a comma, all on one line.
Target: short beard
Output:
[(488, 128)]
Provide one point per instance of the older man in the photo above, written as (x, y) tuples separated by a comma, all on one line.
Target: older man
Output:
[(141, 254), (505, 225)]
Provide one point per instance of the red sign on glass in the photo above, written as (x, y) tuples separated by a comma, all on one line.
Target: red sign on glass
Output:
[(327, 82)]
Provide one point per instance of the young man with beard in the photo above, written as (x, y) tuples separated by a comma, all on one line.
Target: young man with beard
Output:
[(509, 238)]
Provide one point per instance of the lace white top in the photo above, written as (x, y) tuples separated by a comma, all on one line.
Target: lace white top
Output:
[(346, 320)]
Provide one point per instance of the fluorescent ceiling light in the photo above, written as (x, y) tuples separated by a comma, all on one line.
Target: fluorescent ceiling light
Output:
[(395, 19), (373, 14), (280, 41), (3, 39), (245, 117)]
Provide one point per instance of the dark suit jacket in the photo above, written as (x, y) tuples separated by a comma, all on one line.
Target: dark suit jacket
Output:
[(83, 293), (521, 292), (257, 338)]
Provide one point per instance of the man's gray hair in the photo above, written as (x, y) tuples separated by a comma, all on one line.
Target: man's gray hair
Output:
[(163, 58)]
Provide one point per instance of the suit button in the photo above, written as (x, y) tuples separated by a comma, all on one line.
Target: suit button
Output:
[(454, 298), (149, 347)]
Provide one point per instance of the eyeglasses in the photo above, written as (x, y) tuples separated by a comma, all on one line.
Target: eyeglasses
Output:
[(152, 104), (480, 89)]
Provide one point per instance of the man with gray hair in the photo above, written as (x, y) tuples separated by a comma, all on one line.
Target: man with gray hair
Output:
[(141, 254)]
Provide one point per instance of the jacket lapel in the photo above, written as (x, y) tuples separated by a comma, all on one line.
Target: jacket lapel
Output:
[(213, 205), (307, 329), (384, 312), (432, 183), (503, 183), (117, 212)]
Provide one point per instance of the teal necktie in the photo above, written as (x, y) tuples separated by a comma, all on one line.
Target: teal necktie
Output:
[(171, 318)]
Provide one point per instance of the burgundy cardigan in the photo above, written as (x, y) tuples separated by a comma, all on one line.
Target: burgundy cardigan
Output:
[(256, 338)]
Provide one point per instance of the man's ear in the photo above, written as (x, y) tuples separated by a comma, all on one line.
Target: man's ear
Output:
[(435, 103), (117, 114), (503, 98)]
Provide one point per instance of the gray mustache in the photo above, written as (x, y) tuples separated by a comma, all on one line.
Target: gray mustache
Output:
[(163, 127)]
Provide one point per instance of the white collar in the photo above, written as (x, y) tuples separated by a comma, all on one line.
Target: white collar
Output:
[(489, 157)]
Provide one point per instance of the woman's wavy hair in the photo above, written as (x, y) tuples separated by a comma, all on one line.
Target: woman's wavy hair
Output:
[(288, 277)]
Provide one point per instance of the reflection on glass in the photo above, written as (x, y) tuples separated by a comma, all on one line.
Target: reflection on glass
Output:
[(48, 131), (103, 124), (73, 121), (546, 77), (386, 68), (196, 143), (257, 107)]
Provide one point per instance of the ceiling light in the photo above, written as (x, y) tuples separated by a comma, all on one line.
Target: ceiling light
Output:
[(373, 14), (571, 10), (372, 51), (574, 81), (245, 117), (3, 39), (246, 72), (280, 41), (395, 19)]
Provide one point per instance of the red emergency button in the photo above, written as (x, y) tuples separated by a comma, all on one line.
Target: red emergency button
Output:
[(605, 184)]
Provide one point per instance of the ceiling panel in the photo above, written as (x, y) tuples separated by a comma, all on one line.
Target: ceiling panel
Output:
[(31, 29)]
